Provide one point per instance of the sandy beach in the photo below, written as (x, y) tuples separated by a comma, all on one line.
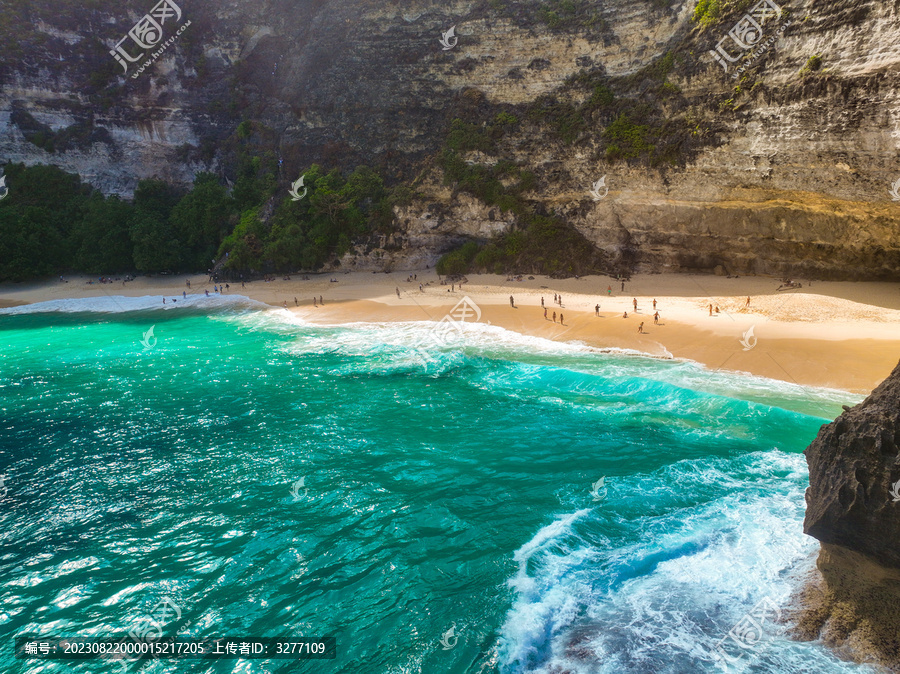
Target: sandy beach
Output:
[(841, 335)]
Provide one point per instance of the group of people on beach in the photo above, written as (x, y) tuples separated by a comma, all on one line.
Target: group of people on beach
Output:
[(558, 300)]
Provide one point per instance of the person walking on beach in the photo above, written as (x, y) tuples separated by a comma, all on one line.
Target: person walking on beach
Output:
[(596, 310), (545, 313), (654, 304), (512, 302), (623, 286), (609, 290), (710, 309), (625, 315), (183, 295), (634, 301), (554, 298), (656, 318), (641, 328), (398, 292), (554, 317), (285, 304), (560, 300), (296, 303), (314, 301), (321, 301), (207, 292), (747, 306), (542, 302), (164, 300), (561, 321)]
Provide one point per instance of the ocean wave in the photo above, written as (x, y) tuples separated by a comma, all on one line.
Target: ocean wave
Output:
[(113, 304), (415, 347), (661, 602)]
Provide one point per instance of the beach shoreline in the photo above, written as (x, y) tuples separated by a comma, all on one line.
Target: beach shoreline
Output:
[(839, 335)]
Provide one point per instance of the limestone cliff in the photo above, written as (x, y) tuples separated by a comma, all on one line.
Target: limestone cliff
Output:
[(853, 508), (786, 169)]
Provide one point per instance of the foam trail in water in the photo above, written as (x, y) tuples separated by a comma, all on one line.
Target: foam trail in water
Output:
[(661, 599)]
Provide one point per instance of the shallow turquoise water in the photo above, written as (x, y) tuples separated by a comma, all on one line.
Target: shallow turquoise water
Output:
[(452, 491)]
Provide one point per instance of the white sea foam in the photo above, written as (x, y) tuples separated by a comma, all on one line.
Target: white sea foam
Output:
[(412, 345), (662, 603), (121, 304)]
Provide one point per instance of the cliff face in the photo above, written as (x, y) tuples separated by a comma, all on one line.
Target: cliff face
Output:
[(773, 172), (853, 508)]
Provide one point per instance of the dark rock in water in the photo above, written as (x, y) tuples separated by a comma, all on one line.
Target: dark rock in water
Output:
[(853, 464), (853, 508)]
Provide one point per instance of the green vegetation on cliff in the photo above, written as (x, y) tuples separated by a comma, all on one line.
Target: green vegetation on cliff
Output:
[(539, 244), (51, 223)]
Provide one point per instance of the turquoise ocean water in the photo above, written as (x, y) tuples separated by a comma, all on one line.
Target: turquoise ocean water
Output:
[(441, 489)]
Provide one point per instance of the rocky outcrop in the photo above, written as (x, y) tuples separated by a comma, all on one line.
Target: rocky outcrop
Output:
[(853, 508)]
